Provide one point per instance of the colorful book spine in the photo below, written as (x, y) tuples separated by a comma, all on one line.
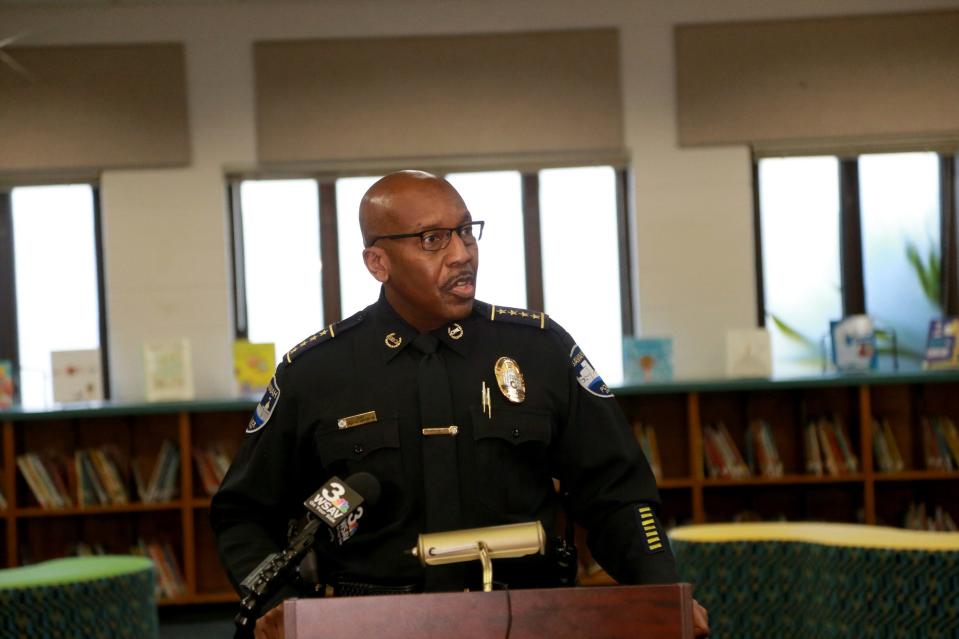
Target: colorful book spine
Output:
[(952, 438)]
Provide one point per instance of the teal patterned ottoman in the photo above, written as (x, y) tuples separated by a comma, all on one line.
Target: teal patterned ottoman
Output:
[(81, 597), (822, 580)]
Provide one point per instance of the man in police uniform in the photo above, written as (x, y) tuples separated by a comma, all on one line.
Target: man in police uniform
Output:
[(464, 411)]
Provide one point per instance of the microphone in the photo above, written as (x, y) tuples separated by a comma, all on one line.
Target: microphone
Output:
[(338, 505), (485, 544)]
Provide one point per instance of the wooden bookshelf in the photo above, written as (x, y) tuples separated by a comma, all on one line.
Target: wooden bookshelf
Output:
[(678, 411), (137, 430)]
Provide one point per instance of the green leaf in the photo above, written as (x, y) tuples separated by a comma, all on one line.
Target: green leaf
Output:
[(927, 271), (791, 333)]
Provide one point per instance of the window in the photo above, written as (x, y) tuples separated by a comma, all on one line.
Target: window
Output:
[(54, 299), (899, 202), (282, 251), (497, 198), (799, 203), (842, 237), (358, 288), (581, 261)]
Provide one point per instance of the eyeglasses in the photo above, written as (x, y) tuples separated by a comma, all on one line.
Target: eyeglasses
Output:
[(439, 239)]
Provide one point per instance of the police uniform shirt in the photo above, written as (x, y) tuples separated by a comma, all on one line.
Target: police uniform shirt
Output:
[(348, 399)]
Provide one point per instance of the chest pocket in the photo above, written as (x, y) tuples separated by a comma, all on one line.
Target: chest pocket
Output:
[(512, 459), (374, 448)]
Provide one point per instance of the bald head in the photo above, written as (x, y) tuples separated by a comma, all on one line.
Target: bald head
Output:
[(384, 204), (427, 287)]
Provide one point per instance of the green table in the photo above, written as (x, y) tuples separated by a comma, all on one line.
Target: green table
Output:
[(822, 580), (88, 597)]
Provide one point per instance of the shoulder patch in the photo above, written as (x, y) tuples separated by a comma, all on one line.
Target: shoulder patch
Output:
[(263, 411), (536, 319), (586, 375), (328, 333)]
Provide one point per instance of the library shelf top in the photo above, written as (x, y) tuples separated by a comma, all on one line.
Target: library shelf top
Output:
[(121, 408)]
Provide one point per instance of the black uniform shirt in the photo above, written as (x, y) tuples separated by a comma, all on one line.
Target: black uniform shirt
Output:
[(567, 426)]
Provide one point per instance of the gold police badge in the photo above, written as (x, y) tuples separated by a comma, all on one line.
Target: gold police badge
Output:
[(510, 379)]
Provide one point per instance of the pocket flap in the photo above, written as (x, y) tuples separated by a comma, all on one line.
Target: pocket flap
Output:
[(358, 442), (515, 425)]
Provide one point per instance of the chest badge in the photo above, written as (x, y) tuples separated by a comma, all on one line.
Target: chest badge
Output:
[(510, 379), (393, 341), (455, 331)]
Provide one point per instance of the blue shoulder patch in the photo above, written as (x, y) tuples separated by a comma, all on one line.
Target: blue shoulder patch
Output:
[(263, 411), (586, 375)]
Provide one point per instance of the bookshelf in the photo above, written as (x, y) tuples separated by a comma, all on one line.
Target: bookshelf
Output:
[(678, 411), (137, 430)]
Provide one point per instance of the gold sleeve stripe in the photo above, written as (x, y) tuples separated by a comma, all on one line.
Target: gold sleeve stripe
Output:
[(655, 546), (332, 334), (645, 509)]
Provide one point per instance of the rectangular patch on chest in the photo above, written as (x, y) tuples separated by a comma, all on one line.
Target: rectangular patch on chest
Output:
[(368, 417)]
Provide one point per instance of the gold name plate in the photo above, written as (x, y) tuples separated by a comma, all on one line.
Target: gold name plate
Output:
[(356, 420)]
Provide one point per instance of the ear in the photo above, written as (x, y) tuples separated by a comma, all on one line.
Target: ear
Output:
[(377, 263)]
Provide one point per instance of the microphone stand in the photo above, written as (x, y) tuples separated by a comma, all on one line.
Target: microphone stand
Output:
[(266, 578)]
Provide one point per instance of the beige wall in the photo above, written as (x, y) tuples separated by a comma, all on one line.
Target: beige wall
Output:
[(166, 238)]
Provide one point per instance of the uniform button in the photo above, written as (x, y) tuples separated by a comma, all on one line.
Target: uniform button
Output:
[(358, 449), (515, 433)]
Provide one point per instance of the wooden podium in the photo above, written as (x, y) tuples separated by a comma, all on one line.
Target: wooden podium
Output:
[(633, 612)]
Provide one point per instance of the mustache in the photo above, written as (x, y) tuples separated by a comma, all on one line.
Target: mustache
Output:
[(449, 283)]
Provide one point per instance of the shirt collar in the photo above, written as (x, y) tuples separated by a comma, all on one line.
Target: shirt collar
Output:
[(397, 334)]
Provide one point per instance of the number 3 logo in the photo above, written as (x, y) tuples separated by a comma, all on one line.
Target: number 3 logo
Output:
[(334, 492)]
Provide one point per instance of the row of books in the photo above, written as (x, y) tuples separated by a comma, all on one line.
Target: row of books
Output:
[(723, 459), (827, 448), (163, 484), (169, 578), (918, 517), (940, 443), (93, 476), (762, 455), (885, 448), (646, 436), (211, 465)]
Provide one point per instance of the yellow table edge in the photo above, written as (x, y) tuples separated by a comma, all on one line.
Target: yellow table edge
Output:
[(72, 570), (845, 535)]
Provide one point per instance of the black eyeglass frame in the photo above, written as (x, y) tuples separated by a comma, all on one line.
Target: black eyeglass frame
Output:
[(449, 238)]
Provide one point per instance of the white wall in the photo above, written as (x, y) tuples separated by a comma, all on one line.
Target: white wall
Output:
[(166, 240)]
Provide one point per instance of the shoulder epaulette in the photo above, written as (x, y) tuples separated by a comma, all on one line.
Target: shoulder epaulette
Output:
[(330, 332), (496, 313)]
